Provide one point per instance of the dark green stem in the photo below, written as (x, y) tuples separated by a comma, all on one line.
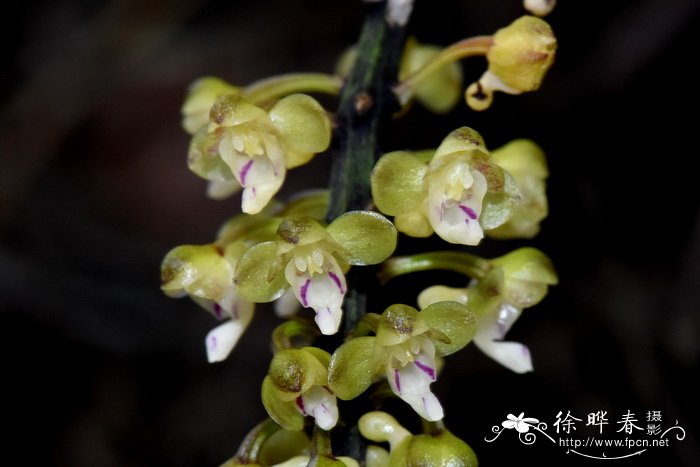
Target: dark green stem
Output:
[(366, 102)]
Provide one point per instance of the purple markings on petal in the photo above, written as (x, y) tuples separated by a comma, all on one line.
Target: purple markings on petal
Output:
[(244, 171), (468, 211), (304, 290), (525, 351), (426, 369), (397, 380), (212, 343), (336, 279), (300, 404), (218, 311)]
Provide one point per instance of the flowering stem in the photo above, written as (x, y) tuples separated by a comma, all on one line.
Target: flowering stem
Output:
[(463, 263), (366, 102), (271, 88), (470, 47)]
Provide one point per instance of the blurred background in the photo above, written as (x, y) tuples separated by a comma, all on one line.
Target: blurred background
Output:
[(101, 369)]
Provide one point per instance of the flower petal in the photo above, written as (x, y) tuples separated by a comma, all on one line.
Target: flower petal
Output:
[(221, 189), (261, 174), (222, 339), (321, 404), (455, 197), (287, 305), (412, 384), (509, 424), (323, 292), (512, 355)]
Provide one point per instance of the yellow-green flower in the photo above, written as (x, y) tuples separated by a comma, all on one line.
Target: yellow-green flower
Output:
[(404, 350), (515, 281), (457, 192), (297, 386), (519, 58), (246, 146), (525, 161), (205, 273), (312, 260)]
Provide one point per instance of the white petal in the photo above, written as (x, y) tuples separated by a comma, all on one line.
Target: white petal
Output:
[(507, 315), (260, 175), (321, 404), (455, 218), (509, 424), (521, 427), (540, 7), (221, 189), (287, 305), (223, 338), (412, 384), (323, 292), (512, 355), (230, 306)]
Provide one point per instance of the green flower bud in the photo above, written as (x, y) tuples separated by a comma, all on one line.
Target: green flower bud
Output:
[(520, 56), (434, 449), (296, 386)]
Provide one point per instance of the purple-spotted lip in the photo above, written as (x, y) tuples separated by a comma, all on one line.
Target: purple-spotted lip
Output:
[(427, 369), (397, 380), (336, 279), (304, 291), (468, 211), (244, 171)]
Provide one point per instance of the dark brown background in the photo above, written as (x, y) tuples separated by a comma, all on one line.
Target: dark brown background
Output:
[(100, 369)]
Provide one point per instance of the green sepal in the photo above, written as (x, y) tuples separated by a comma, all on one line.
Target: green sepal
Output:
[(434, 449), (498, 207), (455, 321), (259, 276), (398, 183), (527, 275), (283, 412), (398, 324), (200, 270), (462, 139), (297, 231), (232, 110), (302, 123), (203, 158), (352, 368), (443, 89), (368, 237), (313, 204), (295, 371)]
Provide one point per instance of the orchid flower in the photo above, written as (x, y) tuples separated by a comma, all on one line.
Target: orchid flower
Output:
[(311, 260), (404, 350), (457, 191), (516, 281), (245, 146)]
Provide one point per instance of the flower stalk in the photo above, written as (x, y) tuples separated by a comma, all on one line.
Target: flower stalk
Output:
[(366, 102)]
